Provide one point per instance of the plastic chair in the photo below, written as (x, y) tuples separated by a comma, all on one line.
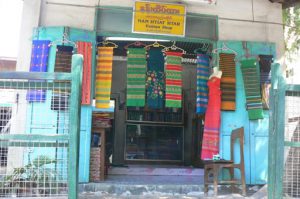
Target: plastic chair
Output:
[(216, 166)]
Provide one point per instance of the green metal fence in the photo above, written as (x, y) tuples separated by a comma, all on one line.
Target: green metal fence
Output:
[(39, 133), (284, 142)]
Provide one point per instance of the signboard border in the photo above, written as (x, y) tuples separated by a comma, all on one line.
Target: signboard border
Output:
[(149, 33)]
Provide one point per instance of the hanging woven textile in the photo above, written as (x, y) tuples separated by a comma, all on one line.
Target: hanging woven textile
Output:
[(63, 59), (252, 89), (63, 63), (265, 62), (202, 77), (136, 77), (85, 48), (228, 81), (38, 63), (173, 79), (155, 83), (104, 76)]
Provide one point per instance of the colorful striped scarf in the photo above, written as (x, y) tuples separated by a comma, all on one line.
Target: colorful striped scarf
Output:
[(136, 77), (104, 76), (252, 89), (63, 59), (173, 79), (155, 83), (85, 48), (38, 63), (265, 62), (228, 81), (202, 77)]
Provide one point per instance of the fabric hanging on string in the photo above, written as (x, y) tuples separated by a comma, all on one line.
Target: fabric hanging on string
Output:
[(63, 63), (173, 70), (252, 89), (85, 48), (265, 62), (155, 84), (38, 63), (211, 134), (202, 77), (136, 77), (104, 76), (63, 59), (228, 81)]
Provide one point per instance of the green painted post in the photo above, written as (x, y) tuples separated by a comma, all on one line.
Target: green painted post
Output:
[(272, 136), (77, 61), (276, 133), (280, 124)]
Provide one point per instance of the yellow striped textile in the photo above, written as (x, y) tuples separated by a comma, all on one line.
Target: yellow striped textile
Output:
[(103, 76)]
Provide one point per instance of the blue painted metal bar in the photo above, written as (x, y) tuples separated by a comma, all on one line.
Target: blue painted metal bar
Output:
[(34, 85), (33, 137), (292, 144), (292, 87), (35, 76), (12, 143)]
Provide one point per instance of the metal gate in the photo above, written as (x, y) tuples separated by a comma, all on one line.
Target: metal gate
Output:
[(284, 143), (42, 162)]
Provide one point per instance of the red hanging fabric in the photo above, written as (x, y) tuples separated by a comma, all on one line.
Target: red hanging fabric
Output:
[(85, 48)]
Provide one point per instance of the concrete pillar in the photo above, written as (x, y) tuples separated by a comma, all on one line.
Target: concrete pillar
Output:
[(30, 19)]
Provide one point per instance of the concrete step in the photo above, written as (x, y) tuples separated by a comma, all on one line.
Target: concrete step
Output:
[(121, 189), (152, 171), (140, 185)]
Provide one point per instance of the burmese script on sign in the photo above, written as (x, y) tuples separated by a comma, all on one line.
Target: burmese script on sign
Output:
[(154, 18)]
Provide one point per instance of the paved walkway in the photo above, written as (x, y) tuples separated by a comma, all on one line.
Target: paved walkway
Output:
[(252, 193)]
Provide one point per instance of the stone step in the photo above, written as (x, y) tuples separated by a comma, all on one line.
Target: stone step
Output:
[(130, 189), (152, 171)]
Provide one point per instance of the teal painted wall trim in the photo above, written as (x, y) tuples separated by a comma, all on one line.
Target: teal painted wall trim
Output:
[(257, 131)]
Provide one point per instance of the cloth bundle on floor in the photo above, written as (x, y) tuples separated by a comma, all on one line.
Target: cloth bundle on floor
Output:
[(228, 81), (104, 76), (136, 77), (38, 63), (63, 59), (155, 84), (85, 48), (202, 77), (211, 134), (173, 70), (265, 62), (252, 88)]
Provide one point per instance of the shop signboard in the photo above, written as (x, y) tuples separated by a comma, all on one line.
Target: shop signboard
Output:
[(159, 18)]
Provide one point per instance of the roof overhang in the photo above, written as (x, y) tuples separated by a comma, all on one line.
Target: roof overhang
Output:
[(287, 3)]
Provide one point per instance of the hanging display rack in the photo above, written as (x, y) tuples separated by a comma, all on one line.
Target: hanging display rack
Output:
[(106, 44), (174, 48), (64, 40)]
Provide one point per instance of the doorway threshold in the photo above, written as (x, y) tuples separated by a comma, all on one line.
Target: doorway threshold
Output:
[(156, 170)]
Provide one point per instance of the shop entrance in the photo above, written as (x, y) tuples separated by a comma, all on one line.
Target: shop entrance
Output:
[(153, 134)]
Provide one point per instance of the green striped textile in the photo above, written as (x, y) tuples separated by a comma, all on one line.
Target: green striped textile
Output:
[(173, 70), (136, 77), (252, 88)]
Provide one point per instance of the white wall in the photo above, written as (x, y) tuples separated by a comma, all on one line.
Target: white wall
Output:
[(263, 10), (81, 14), (30, 19)]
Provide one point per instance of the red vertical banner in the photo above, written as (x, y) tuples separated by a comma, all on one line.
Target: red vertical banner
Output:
[(85, 48)]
